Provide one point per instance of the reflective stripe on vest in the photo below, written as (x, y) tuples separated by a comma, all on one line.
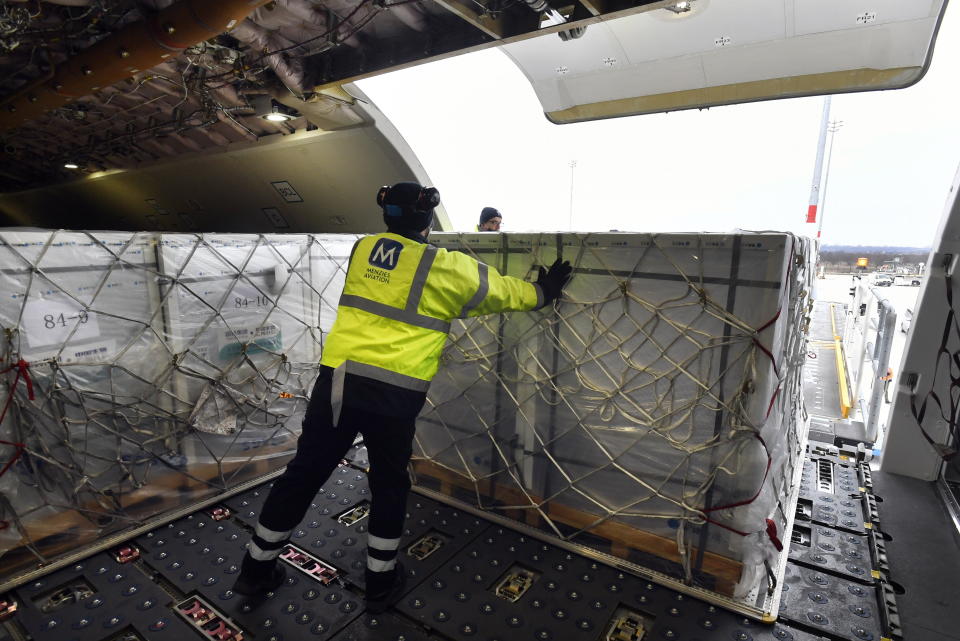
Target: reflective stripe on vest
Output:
[(482, 291), (409, 313), (386, 376), (387, 311)]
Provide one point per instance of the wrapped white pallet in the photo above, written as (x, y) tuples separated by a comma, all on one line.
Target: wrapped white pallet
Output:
[(241, 324), (80, 309), (654, 413), (72, 305), (148, 370)]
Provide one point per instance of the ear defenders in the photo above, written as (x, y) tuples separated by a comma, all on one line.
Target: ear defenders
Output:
[(426, 200)]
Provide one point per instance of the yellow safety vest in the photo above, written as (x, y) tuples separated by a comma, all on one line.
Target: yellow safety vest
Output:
[(398, 301)]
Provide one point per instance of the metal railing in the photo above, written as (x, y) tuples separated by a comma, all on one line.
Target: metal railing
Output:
[(868, 339)]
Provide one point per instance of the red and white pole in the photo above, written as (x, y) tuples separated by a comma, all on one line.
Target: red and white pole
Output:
[(818, 167)]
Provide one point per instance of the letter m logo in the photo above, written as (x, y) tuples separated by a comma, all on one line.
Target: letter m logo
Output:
[(385, 253)]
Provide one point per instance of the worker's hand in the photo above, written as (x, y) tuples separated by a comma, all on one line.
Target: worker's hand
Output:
[(553, 280)]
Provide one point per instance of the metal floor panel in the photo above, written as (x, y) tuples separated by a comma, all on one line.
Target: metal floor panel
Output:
[(202, 557), (384, 627), (59, 607), (847, 483), (320, 534), (195, 553), (833, 452), (821, 474), (820, 381), (831, 605), (821, 427), (547, 593), (841, 553), (822, 508), (821, 329), (451, 592)]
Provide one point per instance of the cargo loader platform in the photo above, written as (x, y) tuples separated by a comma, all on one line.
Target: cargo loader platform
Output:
[(825, 385)]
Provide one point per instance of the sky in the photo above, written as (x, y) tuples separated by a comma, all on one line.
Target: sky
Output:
[(479, 131)]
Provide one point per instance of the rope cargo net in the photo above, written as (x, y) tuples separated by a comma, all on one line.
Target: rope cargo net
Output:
[(654, 414)]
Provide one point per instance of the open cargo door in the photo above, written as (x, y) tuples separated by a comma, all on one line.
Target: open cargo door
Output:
[(703, 53)]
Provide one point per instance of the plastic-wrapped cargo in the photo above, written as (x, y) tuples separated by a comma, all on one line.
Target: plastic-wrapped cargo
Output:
[(157, 369), (242, 317), (82, 305), (654, 414)]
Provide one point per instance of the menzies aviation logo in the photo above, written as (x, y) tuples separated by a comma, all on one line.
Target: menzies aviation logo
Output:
[(383, 258), (385, 253)]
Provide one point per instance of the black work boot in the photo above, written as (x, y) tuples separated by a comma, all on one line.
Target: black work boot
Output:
[(384, 588), (257, 577)]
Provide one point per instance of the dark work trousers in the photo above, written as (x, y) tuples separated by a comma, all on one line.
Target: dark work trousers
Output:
[(320, 449)]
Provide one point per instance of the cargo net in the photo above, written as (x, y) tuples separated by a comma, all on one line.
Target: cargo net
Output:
[(655, 413), (145, 371)]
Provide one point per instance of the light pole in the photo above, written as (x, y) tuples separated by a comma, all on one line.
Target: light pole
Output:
[(833, 128), (573, 165), (818, 165)]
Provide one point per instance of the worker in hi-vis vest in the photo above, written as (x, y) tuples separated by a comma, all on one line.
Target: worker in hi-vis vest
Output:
[(398, 301)]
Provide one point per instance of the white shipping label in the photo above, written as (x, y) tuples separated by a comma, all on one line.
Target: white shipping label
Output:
[(96, 352), (47, 322), (249, 334), (249, 302)]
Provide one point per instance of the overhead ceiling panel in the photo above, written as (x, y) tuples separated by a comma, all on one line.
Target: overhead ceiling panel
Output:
[(310, 181)]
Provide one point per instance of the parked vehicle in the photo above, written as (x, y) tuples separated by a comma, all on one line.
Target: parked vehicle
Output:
[(907, 280)]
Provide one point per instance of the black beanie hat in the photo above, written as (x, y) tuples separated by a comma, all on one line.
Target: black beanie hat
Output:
[(400, 207), (487, 213)]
